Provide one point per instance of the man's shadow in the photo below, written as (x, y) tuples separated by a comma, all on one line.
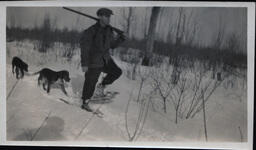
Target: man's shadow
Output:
[(50, 131)]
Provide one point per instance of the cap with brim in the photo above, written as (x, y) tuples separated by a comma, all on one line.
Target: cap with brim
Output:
[(104, 12)]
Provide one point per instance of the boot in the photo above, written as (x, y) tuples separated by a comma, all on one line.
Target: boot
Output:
[(86, 106)]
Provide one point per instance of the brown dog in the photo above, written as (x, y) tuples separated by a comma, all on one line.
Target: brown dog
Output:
[(48, 77), (20, 66)]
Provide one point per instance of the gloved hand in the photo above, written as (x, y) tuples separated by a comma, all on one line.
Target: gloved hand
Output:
[(84, 69), (118, 40), (122, 37)]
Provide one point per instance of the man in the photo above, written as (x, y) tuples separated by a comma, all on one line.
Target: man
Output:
[(95, 58)]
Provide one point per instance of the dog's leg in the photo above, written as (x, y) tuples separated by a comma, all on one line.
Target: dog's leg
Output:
[(12, 69), (48, 87), (22, 73), (39, 80), (44, 84), (63, 88), (17, 72)]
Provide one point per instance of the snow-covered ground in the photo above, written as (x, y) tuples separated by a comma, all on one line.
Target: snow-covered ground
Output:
[(226, 109)]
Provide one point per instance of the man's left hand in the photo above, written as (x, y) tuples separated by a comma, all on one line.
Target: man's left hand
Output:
[(122, 37)]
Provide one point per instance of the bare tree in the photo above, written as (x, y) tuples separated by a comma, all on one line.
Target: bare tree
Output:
[(183, 33), (168, 92), (241, 134), (198, 77), (46, 39), (12, 25), (220, 35), (233, 43), (218, 41), (204, 114), (179, 36), (192, 28), (127, 14), (54, 23), (151, 37), (162, 84), (178, 96), (128, 17), (201, 88), (146, 23), (180, 30), (206, 91), (143, 102), (169, 25), (131, 68)]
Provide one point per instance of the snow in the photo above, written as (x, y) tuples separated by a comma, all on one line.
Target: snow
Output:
[(226, 110)]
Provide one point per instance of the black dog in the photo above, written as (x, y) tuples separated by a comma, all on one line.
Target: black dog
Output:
[(20, 66), (48, 77)]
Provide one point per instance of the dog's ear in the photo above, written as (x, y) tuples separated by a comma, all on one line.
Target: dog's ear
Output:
[(66, 76)]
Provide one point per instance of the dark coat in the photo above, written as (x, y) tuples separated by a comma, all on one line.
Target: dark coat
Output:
[(95, 43)]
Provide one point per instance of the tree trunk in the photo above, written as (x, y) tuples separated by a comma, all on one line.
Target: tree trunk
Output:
[(129, 20), (204, 115), (165, 106), (147, 60), (176, 116)]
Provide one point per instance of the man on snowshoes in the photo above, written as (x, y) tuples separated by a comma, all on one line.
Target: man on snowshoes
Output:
[(95, 58)]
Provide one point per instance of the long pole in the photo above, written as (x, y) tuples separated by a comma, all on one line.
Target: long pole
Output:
[(83, 14), (94, 18)]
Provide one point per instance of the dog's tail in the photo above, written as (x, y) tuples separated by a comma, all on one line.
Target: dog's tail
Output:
[(33, 74)]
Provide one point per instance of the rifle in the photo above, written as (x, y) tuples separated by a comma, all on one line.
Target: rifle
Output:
[(118, 31)]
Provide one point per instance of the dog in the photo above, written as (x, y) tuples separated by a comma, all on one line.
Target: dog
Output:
[(20, 66), (48, 77)]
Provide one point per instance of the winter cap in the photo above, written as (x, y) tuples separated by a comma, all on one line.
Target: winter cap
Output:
[(104, 11)]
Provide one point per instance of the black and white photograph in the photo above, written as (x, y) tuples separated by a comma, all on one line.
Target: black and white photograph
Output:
[(133, 74)]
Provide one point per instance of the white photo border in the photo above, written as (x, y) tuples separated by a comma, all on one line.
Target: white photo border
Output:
[(220, 145)]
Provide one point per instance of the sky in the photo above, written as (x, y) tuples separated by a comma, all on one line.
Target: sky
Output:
[(208, 19)]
